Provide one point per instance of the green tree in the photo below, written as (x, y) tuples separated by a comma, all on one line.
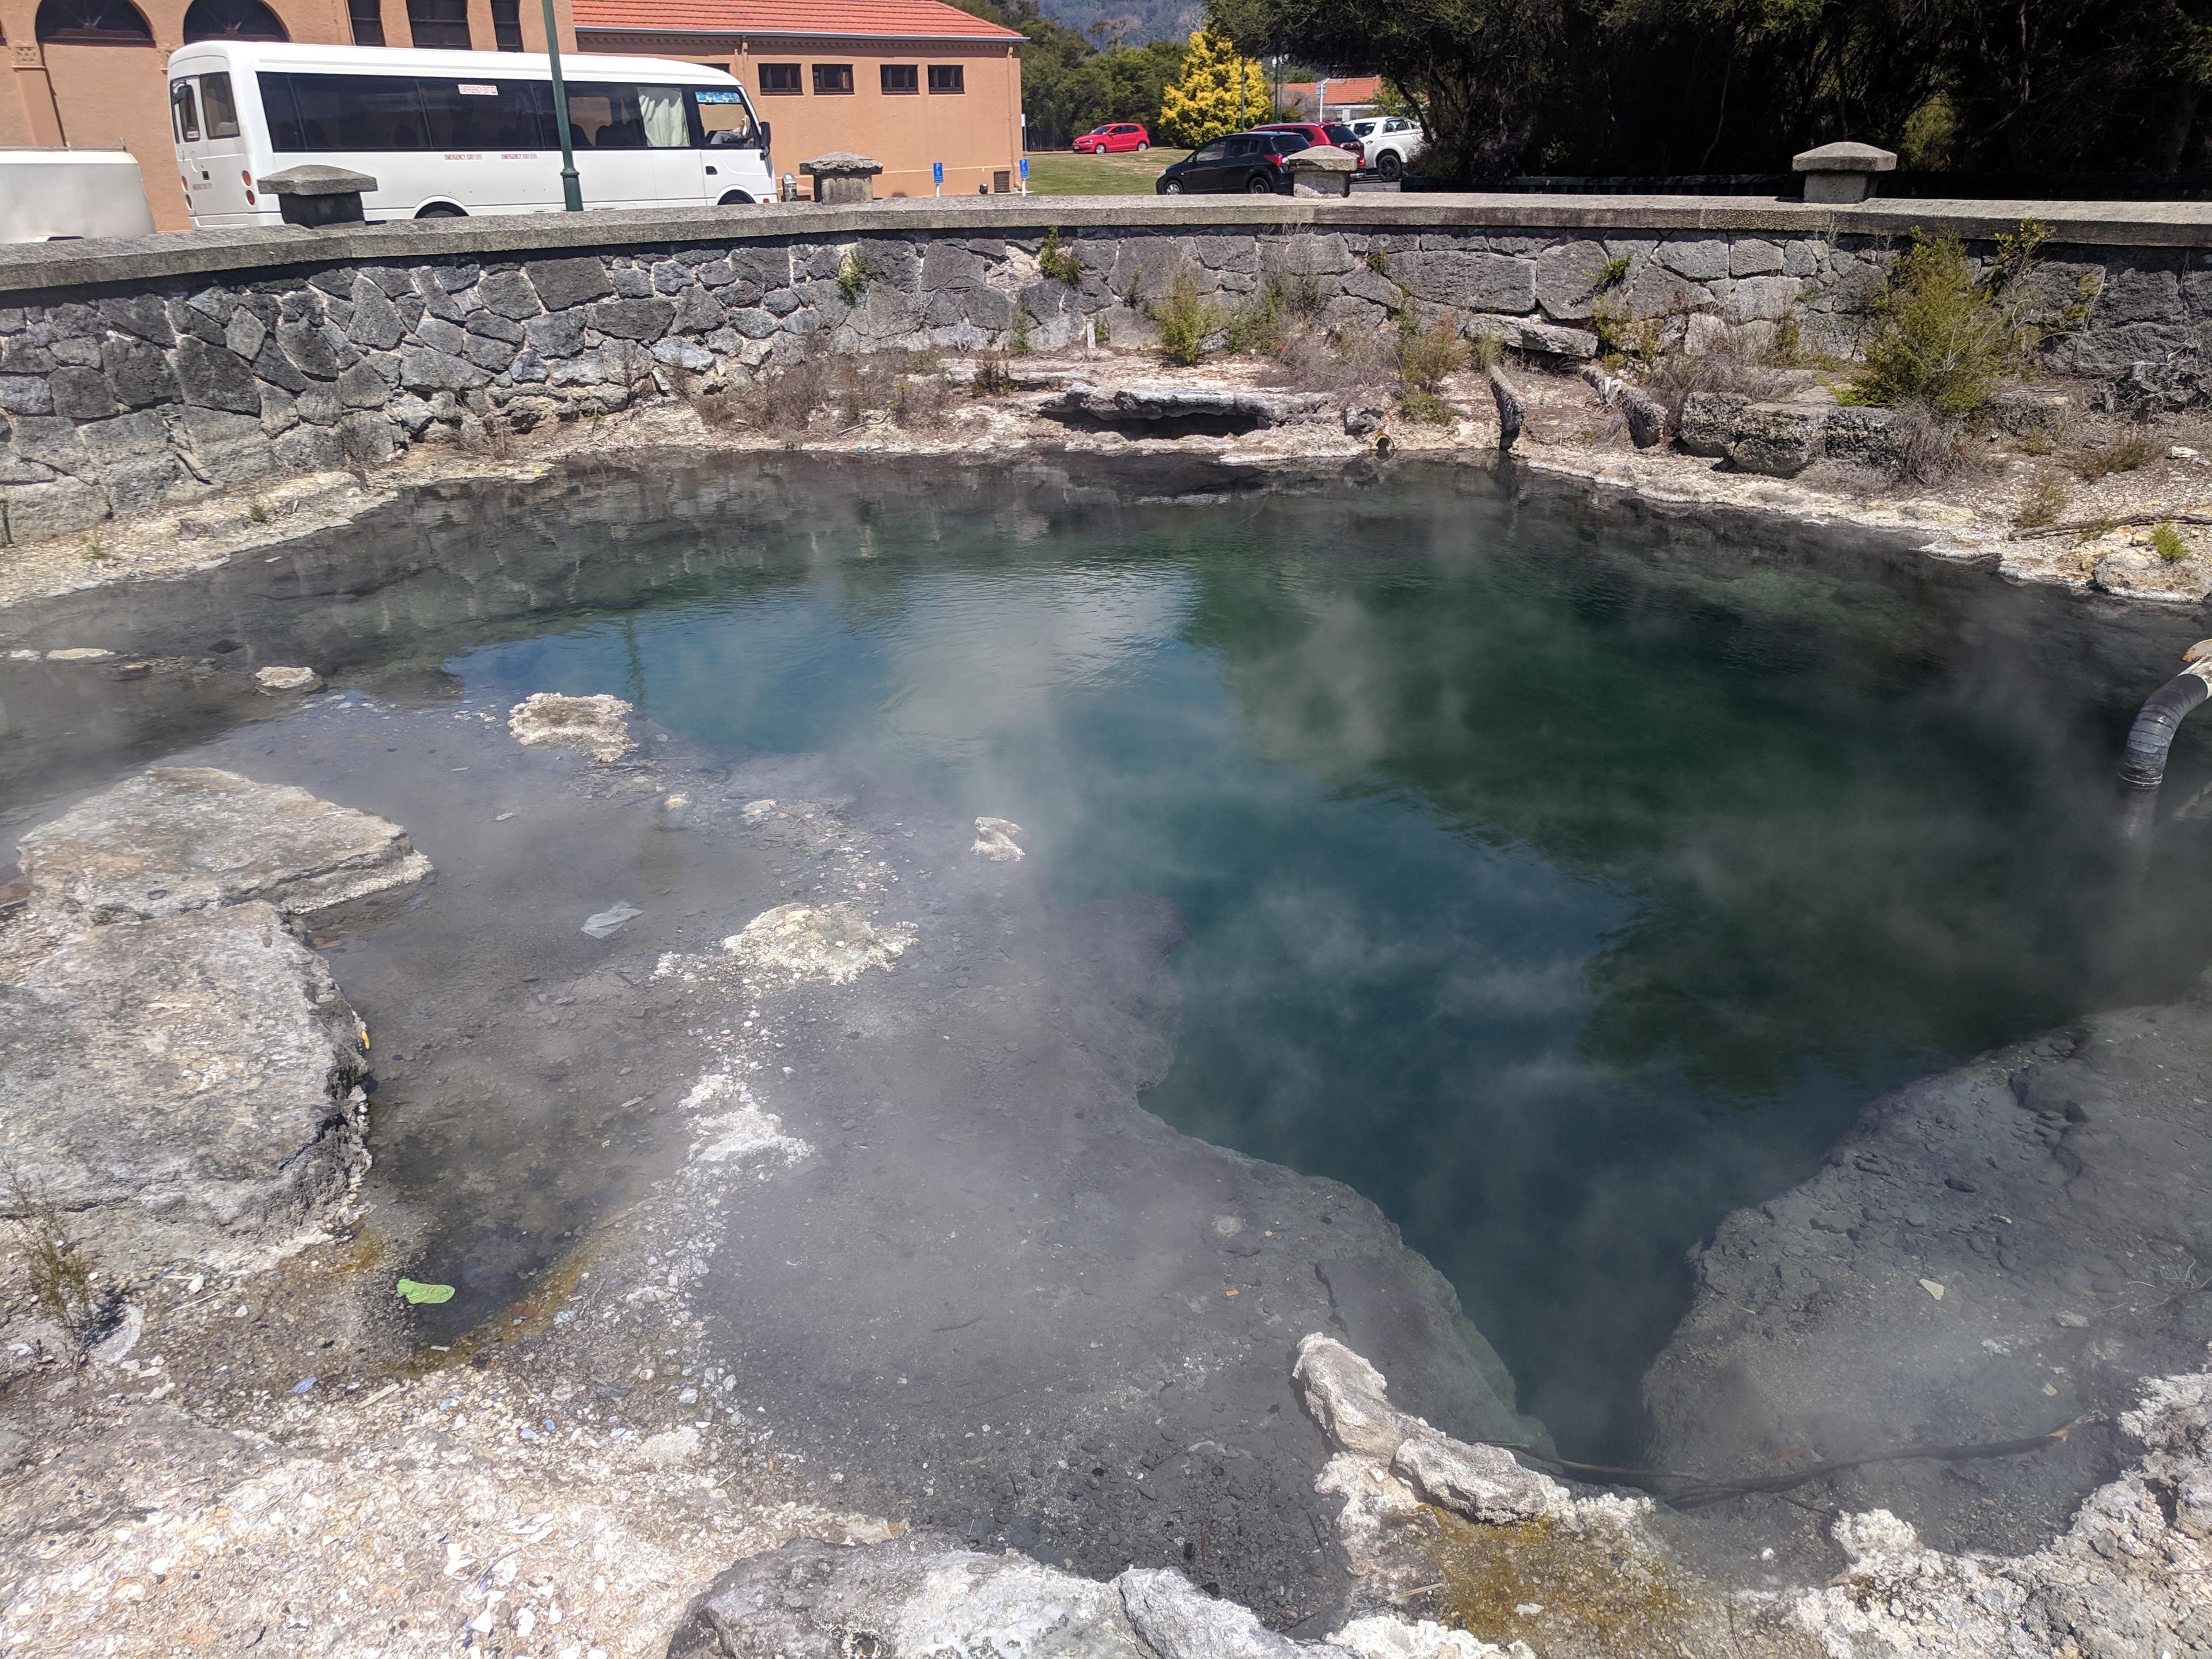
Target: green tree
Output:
[(1739, 86), (1221, 90)]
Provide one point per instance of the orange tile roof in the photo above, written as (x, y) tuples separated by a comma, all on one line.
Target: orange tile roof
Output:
[(1348, 89), (928, 20)]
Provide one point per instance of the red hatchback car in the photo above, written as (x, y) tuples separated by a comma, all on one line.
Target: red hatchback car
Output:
[(1115, 138), (1335, 132)]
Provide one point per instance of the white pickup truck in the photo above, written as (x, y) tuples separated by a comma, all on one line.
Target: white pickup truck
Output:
[(1392, 143)]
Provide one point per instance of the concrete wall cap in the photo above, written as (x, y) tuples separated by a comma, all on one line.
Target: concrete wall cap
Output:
[(1845, 158), (841, 164), (45, 270), (1322, 158), (315, 180)]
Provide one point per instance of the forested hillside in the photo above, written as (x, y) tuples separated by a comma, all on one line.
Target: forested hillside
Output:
[(1129, 22)]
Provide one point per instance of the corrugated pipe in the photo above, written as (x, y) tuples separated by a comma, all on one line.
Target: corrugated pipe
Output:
[(2143, 768)]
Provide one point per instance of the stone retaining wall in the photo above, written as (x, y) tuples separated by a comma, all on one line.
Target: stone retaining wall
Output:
[(135, 375)]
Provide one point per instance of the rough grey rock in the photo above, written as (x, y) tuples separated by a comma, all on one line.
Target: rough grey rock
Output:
[(1646, 417), (184, 1088), (1346, 1398), (178, 839), (1867, 436), (1471, 280), (1707, 420), (1511, 411), (40, 511), (1778, 439), (1178, 1622), (2139, 573), (1544, 339), (2161, 385), (1567, 280), (2025, 411), (812, 1600), (560, 284), (916, 1597), (2055, 1177), (633, 318), (216, 378), (1483, 1483), (1143, 404), (598, 726), (2127, 1579)]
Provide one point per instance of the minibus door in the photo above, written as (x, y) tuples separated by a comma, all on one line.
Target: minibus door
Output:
[(231, 188), (192, 170), (678, 165)]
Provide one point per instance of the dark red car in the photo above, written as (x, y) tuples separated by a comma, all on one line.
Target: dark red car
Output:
[(1316, 134), (1115, 138)]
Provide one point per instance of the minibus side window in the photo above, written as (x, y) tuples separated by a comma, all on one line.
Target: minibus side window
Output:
[(368, 113), (609, 115), (221, 108), (184, 112), (488, 115), (725, 120)]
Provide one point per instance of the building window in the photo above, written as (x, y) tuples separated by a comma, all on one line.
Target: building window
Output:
[(780, 78), (902, 77), (507, 24), (232, 19), (832, 77), (92, 23), (948, 78), (438, 23), (367, 22)]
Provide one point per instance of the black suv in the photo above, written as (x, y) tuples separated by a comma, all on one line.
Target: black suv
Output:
[(1244, 163)]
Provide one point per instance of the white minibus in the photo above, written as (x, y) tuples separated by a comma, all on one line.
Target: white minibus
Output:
[(446, 133)]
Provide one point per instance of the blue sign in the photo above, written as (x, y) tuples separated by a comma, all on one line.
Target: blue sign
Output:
[(937, 172), (1025, 169)]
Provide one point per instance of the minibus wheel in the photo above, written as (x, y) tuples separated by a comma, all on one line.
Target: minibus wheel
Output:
[(734, 198), (441, 210)]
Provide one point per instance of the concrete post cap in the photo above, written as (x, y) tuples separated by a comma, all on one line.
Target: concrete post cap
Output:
[(1845, 158), (841, 164), (314, 179), (1322, 158)]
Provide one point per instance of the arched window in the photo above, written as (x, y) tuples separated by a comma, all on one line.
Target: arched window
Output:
[(92, 23), (232, 19)]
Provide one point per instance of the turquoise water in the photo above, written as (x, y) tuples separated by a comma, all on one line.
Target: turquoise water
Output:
[(1559, 878)]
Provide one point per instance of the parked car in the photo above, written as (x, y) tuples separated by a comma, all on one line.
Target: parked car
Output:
[(1393, 143), (1321, 132), (1115, 138), (1244, 163)]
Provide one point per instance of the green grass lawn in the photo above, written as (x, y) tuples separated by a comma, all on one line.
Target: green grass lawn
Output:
[(1061, 173)]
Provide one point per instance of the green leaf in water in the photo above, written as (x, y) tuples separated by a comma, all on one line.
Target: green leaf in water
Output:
[(420, 1293)]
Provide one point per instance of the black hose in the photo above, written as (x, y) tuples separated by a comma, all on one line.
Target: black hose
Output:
[(2143, 767)]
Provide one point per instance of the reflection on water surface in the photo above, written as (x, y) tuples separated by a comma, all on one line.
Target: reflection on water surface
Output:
[(1559, 878)]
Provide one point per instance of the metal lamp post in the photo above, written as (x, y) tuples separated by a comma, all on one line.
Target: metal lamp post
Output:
[(572, 188)]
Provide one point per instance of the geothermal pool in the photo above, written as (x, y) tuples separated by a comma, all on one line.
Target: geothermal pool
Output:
[(1558, 876)]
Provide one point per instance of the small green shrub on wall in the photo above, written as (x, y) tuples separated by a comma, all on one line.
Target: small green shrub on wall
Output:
[(1940, 337), (1057, 260), (1185, 321)]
